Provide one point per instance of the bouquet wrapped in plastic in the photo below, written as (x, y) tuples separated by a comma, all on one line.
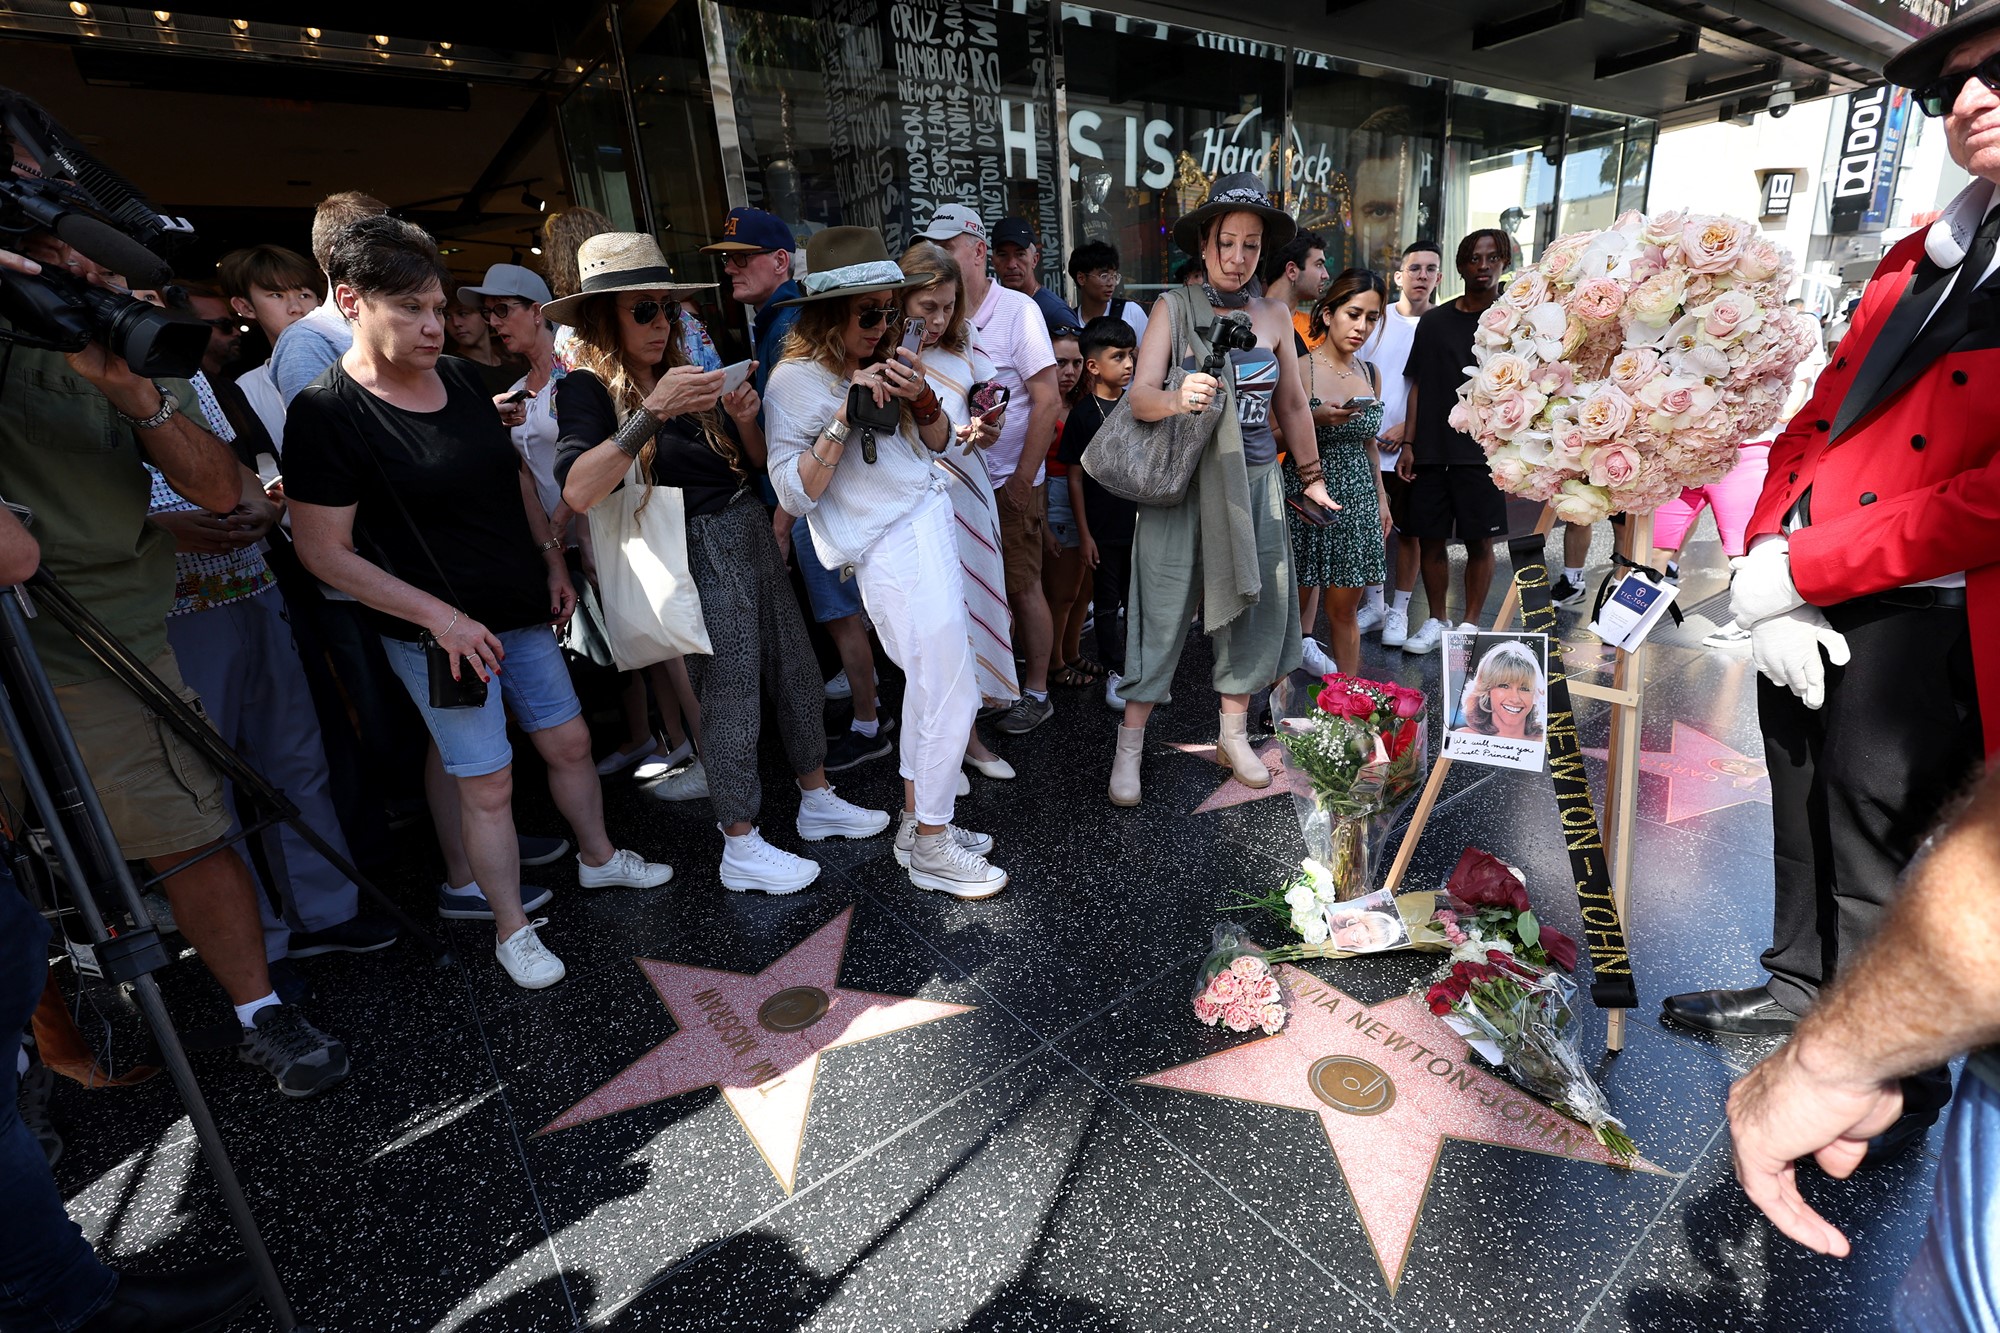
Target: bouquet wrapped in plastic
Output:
[(1235, 987), (1519, 1016), (1363, 747)]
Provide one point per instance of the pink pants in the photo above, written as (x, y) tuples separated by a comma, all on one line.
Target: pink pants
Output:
[(1734, 498)]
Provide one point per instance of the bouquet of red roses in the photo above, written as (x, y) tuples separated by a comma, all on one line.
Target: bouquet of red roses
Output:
[(1363, 748), (1521, 1013), (1489, 902)]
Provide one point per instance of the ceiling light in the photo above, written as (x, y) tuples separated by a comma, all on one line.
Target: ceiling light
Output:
[(532, 200), (163, 16), (444, 46), (312, 34), (381, 39), (80, 9), (241, 25), (534, 249)]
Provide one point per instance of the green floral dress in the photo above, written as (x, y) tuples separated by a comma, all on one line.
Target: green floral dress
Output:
[(1347, 553)]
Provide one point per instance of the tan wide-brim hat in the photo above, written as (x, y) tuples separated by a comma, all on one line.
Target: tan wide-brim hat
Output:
[(1239, 193), (619, 261), (1923, 60), (849, 261)]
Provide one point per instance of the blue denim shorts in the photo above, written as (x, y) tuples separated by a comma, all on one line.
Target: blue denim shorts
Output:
[(832, 597), (534, 687), (1062, 519)]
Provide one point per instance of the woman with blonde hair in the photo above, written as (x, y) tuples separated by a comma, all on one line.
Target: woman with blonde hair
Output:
[(876, 504), (1507, 695), (956, 368), (631, 398)]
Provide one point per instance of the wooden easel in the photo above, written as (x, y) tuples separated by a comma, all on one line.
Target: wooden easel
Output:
[(1626, 694)]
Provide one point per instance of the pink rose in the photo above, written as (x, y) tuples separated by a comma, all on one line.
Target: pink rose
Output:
[(1509, 473), (1614, 465), (1496, 326), (1273, 1016), (1761, 261), (1561, 256), (1248, 966), (1631, 368), (1207, 1010), (1511, 411), (1460, 418), (1226, 988), (1579, 502), (1239, 1017), (1664, 228), (1605, 413), (1530, 289), (1598, 300), (1568, 446), (1557, 379), (1675, 401), (1502, 373), (1728, 317)]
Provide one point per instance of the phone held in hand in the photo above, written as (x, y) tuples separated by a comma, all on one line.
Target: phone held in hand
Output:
[(518, 396), (1360, 401), (989, 398), (913, 336), (1310, 510), (734, 375)]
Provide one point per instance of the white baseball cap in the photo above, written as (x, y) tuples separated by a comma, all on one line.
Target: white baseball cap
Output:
[(951, 221)]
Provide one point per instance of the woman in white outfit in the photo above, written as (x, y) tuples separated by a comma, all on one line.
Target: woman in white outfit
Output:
[(879, 513)]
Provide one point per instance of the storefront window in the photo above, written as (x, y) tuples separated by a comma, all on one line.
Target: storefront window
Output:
[(1364, 169), (1593, 168), (1155, 114), (672, 108), (1501, 159)]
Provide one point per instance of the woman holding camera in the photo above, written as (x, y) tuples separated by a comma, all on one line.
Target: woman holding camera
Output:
[(403, 455), (854, 429), (956, 370), (1224, 548), (632, 399)]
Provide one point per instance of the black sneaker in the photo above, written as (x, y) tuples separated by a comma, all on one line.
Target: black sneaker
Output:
[(298, 1055), (541, 851), (364, 933), (851, 747), (1025, 716), (1564, 593)]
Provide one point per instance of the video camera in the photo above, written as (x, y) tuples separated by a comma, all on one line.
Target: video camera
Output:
[(1232, 334), (102, 217)]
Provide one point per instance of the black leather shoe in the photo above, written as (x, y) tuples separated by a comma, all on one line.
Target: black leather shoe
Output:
[(1742, 1013), (195, 1301)]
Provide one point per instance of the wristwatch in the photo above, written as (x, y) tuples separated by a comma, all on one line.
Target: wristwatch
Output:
[(168, 406)]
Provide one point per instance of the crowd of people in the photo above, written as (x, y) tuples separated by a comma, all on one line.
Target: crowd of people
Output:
[(381, 554)]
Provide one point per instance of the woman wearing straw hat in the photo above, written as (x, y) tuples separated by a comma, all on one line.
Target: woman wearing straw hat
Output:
[(1225, 548), (876, 505), (631, 395)]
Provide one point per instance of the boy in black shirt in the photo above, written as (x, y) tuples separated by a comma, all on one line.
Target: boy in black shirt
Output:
[(1109, 348)]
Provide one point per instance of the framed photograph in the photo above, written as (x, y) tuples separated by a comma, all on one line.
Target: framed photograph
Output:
[(1496, 699), (1368, 924)]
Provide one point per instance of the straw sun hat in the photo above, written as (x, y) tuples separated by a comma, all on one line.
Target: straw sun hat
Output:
[(619, 261)]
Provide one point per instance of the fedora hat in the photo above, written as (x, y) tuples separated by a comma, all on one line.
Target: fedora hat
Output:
[(1240, 192), (849, 261), (619, 261), (1922, 61)]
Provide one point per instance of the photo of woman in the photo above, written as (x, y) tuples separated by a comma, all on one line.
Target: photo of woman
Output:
[(1498, 686)]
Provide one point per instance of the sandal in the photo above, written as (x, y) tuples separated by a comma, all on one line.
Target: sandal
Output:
[(1091, 668), (1068, 677)]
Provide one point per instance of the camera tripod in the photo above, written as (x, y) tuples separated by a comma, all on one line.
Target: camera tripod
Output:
[(94, 870)]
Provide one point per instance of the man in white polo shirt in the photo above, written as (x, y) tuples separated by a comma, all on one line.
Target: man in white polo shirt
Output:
[(1015, 337)]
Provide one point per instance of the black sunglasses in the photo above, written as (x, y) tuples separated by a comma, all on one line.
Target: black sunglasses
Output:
[(1940, 96), (874, 315), (1065, 331), (645, 312)]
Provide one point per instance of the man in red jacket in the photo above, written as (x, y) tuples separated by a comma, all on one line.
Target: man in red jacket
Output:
[(1872, 583)]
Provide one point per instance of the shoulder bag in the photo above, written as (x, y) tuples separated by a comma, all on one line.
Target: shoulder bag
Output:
[(644, 590), (1152, 462)]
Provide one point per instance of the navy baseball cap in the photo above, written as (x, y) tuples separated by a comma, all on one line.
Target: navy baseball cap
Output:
[(1013, 231), (752, 230)]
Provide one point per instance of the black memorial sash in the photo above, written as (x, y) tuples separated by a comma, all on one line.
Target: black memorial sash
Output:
[(1603, 932)]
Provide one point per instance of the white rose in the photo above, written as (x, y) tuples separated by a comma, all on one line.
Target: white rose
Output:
[(1299, 897), (1313, 929)]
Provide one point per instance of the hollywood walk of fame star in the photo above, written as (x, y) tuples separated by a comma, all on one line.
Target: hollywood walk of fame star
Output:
[(758, 1040), (1390, 1083), (1703, 774), (1286, 778)]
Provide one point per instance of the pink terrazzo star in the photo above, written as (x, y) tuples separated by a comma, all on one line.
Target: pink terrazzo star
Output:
[(1390, 1083), (1703, 774), (1285, 778), (756, 1039)]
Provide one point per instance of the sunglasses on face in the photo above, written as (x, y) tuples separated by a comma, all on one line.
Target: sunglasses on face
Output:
[(497, 311), (645, 312), (1942, 95), (871, 316)]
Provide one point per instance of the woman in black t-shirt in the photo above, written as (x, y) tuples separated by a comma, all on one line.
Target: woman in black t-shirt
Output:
[(632, 404), (403, 455)]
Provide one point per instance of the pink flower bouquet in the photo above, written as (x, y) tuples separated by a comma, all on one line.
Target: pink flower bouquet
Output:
[(1629, 363), (1236, 987)]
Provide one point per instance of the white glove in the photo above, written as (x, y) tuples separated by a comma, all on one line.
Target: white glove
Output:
[(1787, 649), (1763, 585)]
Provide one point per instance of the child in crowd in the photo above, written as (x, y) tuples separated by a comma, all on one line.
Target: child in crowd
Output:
[(1065, 577), (1108, 348)]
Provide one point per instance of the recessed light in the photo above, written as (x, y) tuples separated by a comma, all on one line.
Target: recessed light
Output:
[(312, 34), (80, 9), (241, 25), (163, 16), (381, 39)]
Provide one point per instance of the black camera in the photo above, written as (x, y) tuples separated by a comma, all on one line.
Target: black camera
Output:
[(95, 212), (1232, 334)]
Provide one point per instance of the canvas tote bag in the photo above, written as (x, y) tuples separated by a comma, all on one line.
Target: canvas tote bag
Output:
[(651, 610)]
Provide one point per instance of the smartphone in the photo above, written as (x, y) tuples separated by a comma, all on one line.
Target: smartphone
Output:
[(913, 336), (733, 376), (518, 396), (1310, 510), (989, 398), (1362, 401)]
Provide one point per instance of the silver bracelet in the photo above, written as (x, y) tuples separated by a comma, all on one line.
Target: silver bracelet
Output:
[(821, 461), (168, 407), (835, 430), (639, 427), (439, 636)]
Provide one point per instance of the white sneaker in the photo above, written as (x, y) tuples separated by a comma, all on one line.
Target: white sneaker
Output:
[(751, 865), (943, 864), (690, 784), (620, 760), (1112, 699), (657, 765), (979, 844), (838, 688), (1468, 627), (1395, 628), (1316, 662), (625, 870), (527, 960), (1370, 615), (824, 815), (1426, 638)]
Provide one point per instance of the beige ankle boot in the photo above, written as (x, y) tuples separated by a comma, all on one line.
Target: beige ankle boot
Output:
[(1125, 766), (1233, 752)]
